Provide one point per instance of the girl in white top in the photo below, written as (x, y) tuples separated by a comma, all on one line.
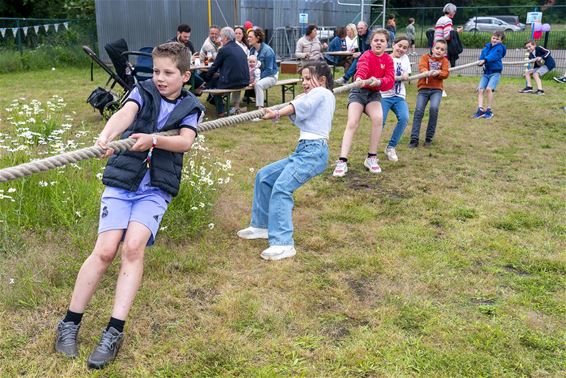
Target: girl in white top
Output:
[(394, 98), (351, 38), (241, 39), (275, 183)]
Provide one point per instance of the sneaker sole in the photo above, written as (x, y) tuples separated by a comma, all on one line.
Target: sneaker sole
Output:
[(252, 237), (370, 171), (280, 256)]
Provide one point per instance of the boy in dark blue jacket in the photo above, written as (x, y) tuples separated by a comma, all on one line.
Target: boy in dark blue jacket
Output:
[(490, 59), (140, 183), (544, 63)]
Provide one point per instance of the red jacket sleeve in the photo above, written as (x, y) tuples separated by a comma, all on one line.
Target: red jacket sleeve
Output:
[(388, 79)]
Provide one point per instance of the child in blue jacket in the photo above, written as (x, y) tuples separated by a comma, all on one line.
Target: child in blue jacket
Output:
[(490, 58)]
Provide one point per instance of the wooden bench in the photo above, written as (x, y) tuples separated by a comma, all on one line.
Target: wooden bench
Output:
[(287, 86)]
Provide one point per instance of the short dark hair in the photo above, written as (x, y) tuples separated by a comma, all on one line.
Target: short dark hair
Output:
[(213, 27), (529, 41), (500, 34), (258, 32), (177, 52), (411, 20), (401, 38), (184, 28), (441, 41), (320, 69), (310, 28)]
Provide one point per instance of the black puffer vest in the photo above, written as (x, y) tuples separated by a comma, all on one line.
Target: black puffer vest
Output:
[(126, 170)]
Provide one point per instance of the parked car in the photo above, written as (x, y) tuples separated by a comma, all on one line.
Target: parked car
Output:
[(512, 20), (488, 24)]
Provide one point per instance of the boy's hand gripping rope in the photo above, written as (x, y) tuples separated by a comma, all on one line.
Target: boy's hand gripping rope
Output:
[(122, 145)]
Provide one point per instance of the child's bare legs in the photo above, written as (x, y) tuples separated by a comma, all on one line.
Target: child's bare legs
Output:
[(489, 97), (538, 82), (375, 113), (355, 111), (480, 98), (528, 78), (94, 268), (131, 269)]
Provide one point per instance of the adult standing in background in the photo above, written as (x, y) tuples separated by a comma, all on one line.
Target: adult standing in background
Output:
[(241, 39), (309, 46), (211, 44), (444, 29), (269, 70), (391, 27)]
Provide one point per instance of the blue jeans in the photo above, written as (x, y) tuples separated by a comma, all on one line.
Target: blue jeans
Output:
[(274, 186), (401, 110), (423, 97), (351, 71)]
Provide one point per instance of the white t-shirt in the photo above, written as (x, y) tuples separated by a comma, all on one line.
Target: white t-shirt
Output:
[(401, 66), (351, 44)]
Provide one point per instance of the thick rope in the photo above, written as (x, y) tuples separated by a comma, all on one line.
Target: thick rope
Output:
[(122, 145), (457, 68)]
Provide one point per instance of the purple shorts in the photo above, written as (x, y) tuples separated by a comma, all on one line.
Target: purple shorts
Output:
[(120, 207)]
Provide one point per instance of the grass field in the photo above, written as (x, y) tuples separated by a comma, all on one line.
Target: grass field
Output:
[(449, 263)]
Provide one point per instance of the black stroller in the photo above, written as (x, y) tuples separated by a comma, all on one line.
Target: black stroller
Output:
[(106, 100)]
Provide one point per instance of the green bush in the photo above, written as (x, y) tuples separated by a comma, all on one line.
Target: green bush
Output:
[(41, 58)]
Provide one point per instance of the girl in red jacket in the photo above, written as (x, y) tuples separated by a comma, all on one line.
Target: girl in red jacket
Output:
[(374, 64)]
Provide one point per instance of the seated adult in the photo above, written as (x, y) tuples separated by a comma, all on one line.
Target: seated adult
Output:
[(230, 68), (338, 43), (269, 70), (241, 39), (309, 46), (211, 44), (183, 36), (363, 46)]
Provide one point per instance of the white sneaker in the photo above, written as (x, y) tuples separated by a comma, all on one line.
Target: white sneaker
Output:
[(278, 252), (340, 81), (372, 165), (391, 154), (256, 119), (253, 233), (444, 93), (341, 169)]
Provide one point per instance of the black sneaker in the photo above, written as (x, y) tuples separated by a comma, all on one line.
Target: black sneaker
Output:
[(107, 348), (414, 143), (539, 92), (560, 79), (526, 90), (428, 142), (66, 340)]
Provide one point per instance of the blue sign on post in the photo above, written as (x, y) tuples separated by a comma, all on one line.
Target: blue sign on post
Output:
[(303, 18), (534, 17)]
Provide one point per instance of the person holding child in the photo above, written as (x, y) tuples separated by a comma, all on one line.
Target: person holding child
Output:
[(491, 59), (140, 183), (544, 63), (394, 98), (269, 70), (436, 66), (374, 64), (275, 183)]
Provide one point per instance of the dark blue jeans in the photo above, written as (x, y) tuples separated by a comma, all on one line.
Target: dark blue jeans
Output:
[(423, 97)]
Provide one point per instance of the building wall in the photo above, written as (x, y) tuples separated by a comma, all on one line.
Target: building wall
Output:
[(145, 23)]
